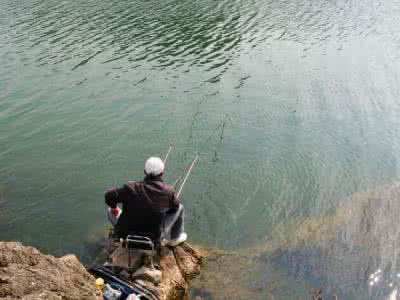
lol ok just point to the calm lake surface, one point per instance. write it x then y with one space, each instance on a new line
293 105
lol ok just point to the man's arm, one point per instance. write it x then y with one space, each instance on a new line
174 201
116 195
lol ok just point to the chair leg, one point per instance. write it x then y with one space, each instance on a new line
151 262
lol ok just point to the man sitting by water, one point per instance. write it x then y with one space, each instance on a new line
149 207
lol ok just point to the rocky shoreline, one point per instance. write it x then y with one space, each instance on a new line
26 273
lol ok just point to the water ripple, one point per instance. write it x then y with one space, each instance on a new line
203 33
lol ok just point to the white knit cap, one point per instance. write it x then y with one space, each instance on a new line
154 166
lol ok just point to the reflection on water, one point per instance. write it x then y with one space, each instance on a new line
293 105
385 283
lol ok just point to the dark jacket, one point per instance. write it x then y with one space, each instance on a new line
144 204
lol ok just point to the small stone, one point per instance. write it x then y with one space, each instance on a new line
148 274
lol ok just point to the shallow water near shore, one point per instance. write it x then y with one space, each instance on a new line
293 105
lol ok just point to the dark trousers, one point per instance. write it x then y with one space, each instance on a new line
174 223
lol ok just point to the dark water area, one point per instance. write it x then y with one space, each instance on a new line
293 105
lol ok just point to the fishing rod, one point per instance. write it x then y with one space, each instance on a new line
187 175
185 169
180 176
169 151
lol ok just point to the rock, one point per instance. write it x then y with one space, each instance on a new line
148 274
179 266
121 257
29 275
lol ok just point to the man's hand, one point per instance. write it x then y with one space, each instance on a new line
115 211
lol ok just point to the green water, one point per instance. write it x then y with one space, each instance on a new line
293 106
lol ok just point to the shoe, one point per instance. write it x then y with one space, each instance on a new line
175 242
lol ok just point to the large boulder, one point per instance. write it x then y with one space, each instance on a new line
179 266
27 274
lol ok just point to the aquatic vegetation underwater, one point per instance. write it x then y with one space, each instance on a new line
351 253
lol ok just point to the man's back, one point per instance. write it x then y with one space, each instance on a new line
144 204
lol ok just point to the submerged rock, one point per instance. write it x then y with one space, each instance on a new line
349 253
